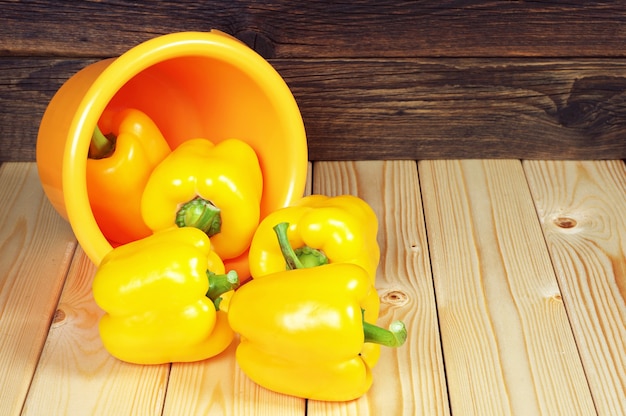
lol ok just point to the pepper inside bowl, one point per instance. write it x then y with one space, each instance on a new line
191 84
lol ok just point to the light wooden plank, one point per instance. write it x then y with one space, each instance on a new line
36 247
218 386
409 380
581 206
507 342
76 375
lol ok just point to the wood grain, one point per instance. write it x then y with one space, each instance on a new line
581 206
361 28
506 338
460 108
219 387
36 247
414 80
26 87
409 380
357 109
76 375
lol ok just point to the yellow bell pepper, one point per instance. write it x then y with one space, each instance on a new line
214 187
343 228
303 332
321 229
160 296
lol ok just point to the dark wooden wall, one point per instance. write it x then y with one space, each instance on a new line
374 80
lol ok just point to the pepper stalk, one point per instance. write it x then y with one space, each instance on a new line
220 284
394 336
301 258
201 214
101 146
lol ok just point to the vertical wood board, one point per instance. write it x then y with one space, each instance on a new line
507 343
408 380
581 206
37 247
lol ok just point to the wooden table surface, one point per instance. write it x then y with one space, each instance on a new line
510 276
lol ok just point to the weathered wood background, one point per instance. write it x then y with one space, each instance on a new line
399 80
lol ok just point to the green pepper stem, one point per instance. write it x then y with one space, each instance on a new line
393 337
293 262
100 146
220 284
201 214
301 258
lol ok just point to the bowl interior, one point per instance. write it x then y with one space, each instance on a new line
198 96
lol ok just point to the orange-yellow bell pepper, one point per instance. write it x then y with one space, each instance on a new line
303 332
160 296
214 187
118 168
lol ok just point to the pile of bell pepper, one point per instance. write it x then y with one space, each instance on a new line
306 318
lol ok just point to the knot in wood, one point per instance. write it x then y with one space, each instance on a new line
556 298
395 297
59 317
565 222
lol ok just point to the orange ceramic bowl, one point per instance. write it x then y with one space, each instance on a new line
192 84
